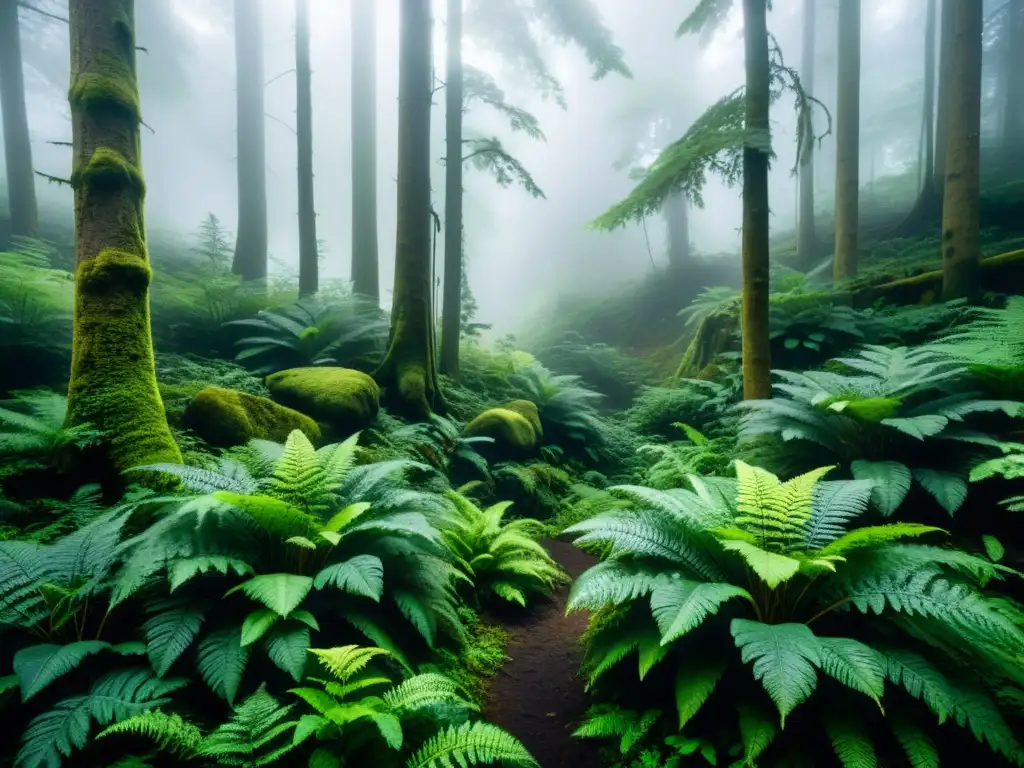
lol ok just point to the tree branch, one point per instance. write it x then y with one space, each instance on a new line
41 12
54 179
278 77
282 122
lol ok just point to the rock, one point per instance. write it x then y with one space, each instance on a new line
342 400
226 417
512 432
528 411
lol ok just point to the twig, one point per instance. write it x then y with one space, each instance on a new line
54 179
278 77
41 12
61 143
282 122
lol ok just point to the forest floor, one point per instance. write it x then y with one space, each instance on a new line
538 696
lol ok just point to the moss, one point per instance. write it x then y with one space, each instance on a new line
108 168
716 334
510 430
113 376
528 411
342 400
109 83
226 417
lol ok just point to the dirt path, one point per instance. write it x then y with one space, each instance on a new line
537 696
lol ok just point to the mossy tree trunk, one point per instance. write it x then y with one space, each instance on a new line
757 382
677 227
451 305
251 242
806 238
21 180
848 140
365 270
1013 106
409 370
961 208
113 378
308 267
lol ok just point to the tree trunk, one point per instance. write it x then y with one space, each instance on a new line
308 267
961 208
807 239
409 370
365 272
21 178
113 378
451 322
251 244
847 140
942 112
677 226
757 380
1013 107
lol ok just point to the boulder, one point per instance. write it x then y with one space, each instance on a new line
226 417
342 400
528 411
511 431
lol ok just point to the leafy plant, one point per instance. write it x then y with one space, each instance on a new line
32 431
501 558
633 730
779 576
671 464
879 421
311 332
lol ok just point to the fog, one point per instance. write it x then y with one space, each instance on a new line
520 250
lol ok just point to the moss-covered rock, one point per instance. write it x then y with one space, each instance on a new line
528 410
342 400
226 417
511 431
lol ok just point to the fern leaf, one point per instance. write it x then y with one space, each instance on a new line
681 605
948 489
472 744
257 624
169 732
695 682
757 731
919 748
425 690
39 665
280 592
254 736
892 482
360 575
836 503
784 657
870 536
287 646
853 664
221 660
347 660
772 568
851 743
169 634
611 582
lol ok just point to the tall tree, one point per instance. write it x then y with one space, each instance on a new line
251 243
1013 106
365 270
308 265
113 377
21 181
755 249
947 43
961 204
409 370
451 318
677 229
847 140
807 239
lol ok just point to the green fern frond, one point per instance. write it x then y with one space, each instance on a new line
345 661
472 744
169 732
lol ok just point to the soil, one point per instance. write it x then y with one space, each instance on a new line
537 696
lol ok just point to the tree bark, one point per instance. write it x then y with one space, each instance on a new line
1013 107
365 270
847 140
21 178
113 378
947 28
409 370
677 227
928 109
251 244
451 319
308 266
807 239
757 383
961 252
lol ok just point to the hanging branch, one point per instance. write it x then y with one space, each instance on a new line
278 77
282 122
54 179
784 79
41 12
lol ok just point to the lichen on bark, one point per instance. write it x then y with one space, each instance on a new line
113 377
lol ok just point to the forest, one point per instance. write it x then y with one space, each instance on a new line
635 384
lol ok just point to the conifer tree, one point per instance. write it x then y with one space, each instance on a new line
409 370
308 261
365 268
961 203
1013 76
113 378
807 239
848 141
251 242
21 180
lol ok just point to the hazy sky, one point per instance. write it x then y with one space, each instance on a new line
520 250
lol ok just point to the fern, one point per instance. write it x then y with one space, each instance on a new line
471 744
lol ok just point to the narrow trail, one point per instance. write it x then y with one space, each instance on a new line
537 696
